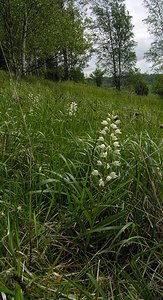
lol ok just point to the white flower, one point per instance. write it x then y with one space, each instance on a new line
113 175
101 183
104 122
116 151
109 148
99 163
108 178
114 138
101 139
114 126
103 132
116 163
117 122
106 128
72 109
102 146
19 208
108 166
117 131
95 172
104 154
116 144
108 119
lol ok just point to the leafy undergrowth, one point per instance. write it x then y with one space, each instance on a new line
81 192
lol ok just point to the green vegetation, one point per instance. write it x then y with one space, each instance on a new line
97 76
154 21
66 231
157 87
115 44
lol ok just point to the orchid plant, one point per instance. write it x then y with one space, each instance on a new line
107 151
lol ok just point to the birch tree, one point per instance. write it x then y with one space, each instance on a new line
115 38
155 27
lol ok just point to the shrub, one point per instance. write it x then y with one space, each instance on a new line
157 87
97 76
141 88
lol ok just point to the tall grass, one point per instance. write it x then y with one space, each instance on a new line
62 235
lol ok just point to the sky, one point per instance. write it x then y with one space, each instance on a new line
141 36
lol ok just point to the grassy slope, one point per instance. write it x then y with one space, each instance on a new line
56 221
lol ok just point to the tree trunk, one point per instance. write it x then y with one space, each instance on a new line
24 39
65 64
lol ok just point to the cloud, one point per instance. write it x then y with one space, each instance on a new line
144 66
143 45
141 34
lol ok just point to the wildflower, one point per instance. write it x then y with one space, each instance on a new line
116 163
104 154
113 136
101 183
103 132
99 163
104 122
117 122
108 178
116 151
19 208
116 144
115 117
113 175
72 109
102 146
95 172
117 131
114 126
101 139
109 148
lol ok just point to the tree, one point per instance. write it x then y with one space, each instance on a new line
97 76
42 33
29 30
157 87
137 82
115 38
155 27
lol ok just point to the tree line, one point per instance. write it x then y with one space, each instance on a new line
42 36
55 38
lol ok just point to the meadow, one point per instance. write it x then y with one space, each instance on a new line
81 190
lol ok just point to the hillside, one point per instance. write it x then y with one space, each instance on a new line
81 192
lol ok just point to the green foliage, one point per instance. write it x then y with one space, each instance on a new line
157 87
77 75
97 76
137 82
154 22
114 39
62 235
141 88
47 34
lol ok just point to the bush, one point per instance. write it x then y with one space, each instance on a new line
97 76
77 75
141 88
157 87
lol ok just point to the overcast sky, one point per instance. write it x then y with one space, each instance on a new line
142 37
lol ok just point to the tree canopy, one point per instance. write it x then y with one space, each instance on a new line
155 27
36 32
115 44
